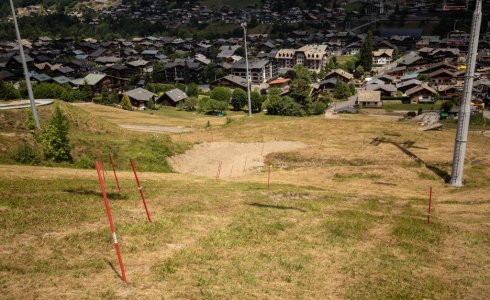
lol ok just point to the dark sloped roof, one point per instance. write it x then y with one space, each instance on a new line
141 94
176 95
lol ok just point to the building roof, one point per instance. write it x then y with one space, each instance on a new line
403 84
61 79
254 64
342 73
420 88
141 94
5 75
149 52
93 79
107 59
383 52
279 81
176 95
227 51
240 81
409 76
368 96
65 69
378 87
409 59
41 77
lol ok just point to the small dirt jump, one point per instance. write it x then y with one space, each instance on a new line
236 159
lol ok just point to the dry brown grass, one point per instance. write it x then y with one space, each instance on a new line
344 219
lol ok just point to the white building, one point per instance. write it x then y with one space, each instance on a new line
314 57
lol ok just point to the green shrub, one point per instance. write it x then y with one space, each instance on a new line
85 162
446 106
221 94
30 123
8 91
25 153
318 108
48 91
192 90
208 105
283 106
256 100
151 105
238 99
54 138
189 104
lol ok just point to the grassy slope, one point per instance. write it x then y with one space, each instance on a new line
344 219
91 135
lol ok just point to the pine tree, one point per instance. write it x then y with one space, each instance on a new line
366 54
126 103
55 141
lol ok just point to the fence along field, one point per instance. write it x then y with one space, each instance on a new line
343 218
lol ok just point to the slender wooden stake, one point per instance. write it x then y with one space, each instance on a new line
245 165
430 205
262 152
231 171
269 179
111 223
219 170
141 191
115 175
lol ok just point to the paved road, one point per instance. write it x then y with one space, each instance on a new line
25 104
329 113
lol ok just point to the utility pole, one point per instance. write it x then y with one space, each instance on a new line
244 25
464 110
24 65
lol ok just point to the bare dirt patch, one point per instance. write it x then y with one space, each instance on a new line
155 128
237 159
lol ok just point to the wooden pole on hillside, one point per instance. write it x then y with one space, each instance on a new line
115 175
141 191
430 205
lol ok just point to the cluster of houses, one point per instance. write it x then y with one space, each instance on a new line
195 13
405 63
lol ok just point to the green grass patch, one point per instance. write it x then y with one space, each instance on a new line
411 107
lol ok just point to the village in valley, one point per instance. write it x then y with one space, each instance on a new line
280 149
404 65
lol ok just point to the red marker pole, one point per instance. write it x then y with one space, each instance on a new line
102 164
430 205
141 190
115 175
111 224
269 179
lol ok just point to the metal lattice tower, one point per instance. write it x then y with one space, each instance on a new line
464 110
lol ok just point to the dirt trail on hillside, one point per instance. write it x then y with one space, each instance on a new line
237 159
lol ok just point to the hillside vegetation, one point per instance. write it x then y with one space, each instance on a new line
90 137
